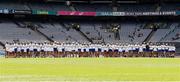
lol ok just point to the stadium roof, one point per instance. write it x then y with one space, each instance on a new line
120 1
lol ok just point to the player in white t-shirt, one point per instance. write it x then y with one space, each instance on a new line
172 51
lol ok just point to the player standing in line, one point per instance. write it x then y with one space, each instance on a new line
155 51
172 50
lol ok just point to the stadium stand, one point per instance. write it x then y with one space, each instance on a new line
165 33
132 33
99 7
60 34
11 32
50 6
136 7
93 7
19 6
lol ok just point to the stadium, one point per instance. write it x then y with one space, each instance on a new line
89 40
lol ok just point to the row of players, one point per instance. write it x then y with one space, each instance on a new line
87 50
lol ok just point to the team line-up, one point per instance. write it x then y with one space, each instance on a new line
57 49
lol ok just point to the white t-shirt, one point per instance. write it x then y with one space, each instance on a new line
141 49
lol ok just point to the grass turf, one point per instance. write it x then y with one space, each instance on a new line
90 69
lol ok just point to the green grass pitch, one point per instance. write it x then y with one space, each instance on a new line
89 69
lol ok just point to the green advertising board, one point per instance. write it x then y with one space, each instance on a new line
44 12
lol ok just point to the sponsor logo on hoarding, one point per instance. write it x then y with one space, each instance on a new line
149 13
42 12
22 11
75 13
